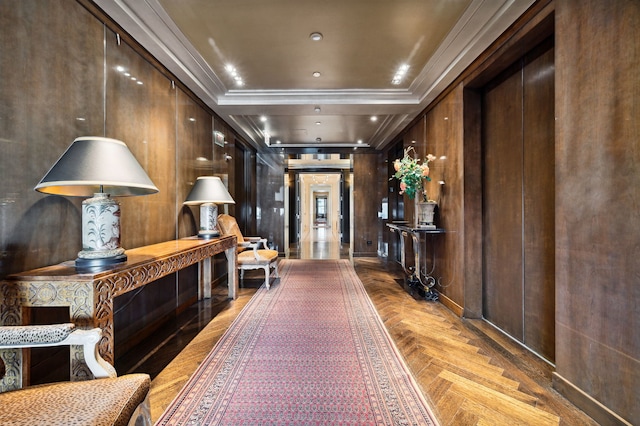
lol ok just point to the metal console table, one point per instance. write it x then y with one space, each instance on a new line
418 276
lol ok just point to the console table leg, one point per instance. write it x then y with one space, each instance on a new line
232 270
204 279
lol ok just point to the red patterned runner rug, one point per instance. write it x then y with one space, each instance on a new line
312 350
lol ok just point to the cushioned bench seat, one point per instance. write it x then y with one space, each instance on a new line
109 401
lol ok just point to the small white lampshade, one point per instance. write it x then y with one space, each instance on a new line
208 191
98 167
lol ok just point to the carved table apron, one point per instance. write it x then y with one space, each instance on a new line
89 296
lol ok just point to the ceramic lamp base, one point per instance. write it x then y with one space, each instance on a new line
208 221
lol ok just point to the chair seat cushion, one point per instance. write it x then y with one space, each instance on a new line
110 401
265 256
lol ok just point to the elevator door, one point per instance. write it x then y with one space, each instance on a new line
518 200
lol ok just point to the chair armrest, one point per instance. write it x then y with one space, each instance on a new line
252 239
33 336
257 246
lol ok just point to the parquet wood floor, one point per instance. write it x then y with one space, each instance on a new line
470 373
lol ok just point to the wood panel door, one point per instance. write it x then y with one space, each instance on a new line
518 199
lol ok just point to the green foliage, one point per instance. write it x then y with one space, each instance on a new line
412 174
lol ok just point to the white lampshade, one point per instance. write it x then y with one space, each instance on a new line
94 165
208 191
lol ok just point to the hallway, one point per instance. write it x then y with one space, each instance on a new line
322 242
468 377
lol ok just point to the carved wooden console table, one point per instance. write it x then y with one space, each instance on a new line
89 296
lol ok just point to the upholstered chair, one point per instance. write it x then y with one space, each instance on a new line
108 400
252 251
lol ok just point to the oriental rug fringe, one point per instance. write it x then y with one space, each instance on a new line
312 350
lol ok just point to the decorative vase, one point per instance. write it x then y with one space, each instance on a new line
424 214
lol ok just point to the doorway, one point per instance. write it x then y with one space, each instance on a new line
317 207
320 235
518 199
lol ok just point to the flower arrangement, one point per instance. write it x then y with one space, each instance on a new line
411 174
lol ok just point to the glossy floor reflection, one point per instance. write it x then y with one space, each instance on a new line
322 242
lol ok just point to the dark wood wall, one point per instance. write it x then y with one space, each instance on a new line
367 193
444 135
597 199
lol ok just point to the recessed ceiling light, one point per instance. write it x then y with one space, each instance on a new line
374 118
359 140
400 74
231 70
318 139
315 36
263 118
316 74
317 109
318 123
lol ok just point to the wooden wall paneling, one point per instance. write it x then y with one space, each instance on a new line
444 133
194 158
139 313
597 197
51 92
194 140
223 165
251 175
270 196
366 199
242 190
142 113
244 161
472 233
539 201
396 201
415 137
503 261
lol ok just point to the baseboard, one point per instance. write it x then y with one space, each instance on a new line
586 403
365 254
451 305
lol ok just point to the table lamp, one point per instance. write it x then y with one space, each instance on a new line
208 191
99 168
